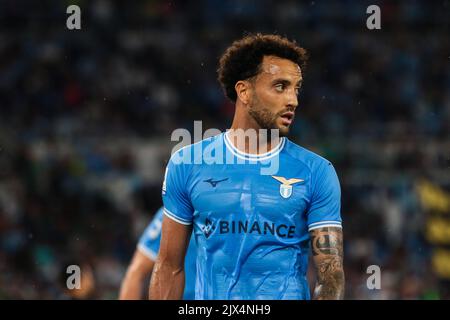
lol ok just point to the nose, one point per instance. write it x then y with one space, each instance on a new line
292 100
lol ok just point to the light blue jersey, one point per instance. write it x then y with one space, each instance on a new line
149 246
251 229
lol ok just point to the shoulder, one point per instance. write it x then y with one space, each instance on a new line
156 220
309 158
153 229
159 214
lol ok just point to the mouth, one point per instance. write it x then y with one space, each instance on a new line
287 118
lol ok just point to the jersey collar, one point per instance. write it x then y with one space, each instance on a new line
249 156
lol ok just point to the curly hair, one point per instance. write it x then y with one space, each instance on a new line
242 60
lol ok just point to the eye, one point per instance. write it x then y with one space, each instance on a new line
279 87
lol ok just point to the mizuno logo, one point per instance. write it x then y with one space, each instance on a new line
214 183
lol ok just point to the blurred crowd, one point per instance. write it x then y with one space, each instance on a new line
86 118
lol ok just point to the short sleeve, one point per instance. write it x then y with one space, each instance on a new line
325 207
177 204
150 239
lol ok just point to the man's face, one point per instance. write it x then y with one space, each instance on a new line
275 91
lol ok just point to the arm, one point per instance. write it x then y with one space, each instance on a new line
168 276
327 252
140 267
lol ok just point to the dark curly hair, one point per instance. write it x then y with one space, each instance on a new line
242 60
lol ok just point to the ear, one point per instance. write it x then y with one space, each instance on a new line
243 91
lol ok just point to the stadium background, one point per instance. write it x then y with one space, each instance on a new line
86 118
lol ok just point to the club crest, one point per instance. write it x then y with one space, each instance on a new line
286 185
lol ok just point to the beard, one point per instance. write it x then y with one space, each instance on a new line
266 119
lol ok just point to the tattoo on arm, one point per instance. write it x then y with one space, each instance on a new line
327 250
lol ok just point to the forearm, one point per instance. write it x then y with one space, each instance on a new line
331 283
167 282
327 249
131 288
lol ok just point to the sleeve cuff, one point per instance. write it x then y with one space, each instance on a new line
176 218
322 224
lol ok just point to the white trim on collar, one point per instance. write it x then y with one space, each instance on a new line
248 156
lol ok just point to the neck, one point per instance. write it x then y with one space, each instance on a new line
255 140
